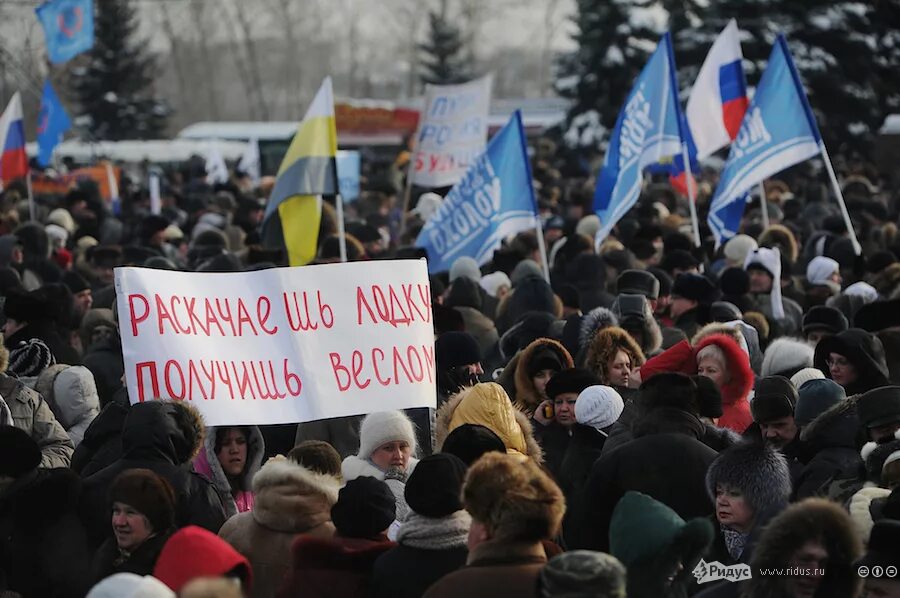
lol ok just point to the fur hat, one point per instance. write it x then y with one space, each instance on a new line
805 375
515 499
638 282
465 266
572 380
696 288
879 406
317 456
598 407
433 488
365 508
453 349
470 441
668 389
149 494
19 453
592 323
30 358
583 574
775 397
382 427
785 357
737 248
815 397
760 472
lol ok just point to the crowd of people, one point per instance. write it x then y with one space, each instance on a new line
656 420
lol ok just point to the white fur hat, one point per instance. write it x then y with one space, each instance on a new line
382 427
598 407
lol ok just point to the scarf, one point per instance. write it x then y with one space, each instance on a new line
429 533
734 541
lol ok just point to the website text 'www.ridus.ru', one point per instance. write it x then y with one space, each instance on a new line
792 572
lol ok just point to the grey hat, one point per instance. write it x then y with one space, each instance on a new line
757 470
583 574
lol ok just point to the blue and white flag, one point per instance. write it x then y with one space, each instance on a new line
778 131
493 200
68 28
348 171
53 122
648 129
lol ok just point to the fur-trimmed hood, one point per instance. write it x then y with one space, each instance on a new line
785 357
758 471
492 416
171 431
526 396
719 328
605 346
809 519
593 322
778 235
291 498
838 426
738 366
876 454
207 464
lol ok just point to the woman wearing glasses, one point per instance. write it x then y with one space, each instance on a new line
854 359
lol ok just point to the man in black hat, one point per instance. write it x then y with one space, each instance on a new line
879 413
821 321
639 282
773 412
692 294
879 565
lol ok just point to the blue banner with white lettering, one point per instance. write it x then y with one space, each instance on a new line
68 28
53 122
778 131
648 129
493 200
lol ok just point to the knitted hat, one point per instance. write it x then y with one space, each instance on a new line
770 261
824 318
709 397
583 574
805 375
19 453
815 397
638 282
470 441
130 585
30 358
572 380
365 508
491 283
756 469
318 456
785 357
737 248
879 407
148 493
465 266
774 398
883 549
642 528
383 427
820 270
598 407
434 488
453 349
696 288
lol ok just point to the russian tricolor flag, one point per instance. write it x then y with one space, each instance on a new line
13 161
718 100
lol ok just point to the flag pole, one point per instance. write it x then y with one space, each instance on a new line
692 193
542 247
763 204
31 206
840 197
342 235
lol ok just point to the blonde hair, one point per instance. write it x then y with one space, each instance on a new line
713 352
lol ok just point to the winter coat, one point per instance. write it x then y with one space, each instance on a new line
43 545
493 411
108 559
864 350
830 441
666 460
429 548
530 294
290 500
516 381
162 436
71 394
32 414
102 442
890 340
716 438
104 360
465 296
495 570
206 463
340 432
792 322
337 566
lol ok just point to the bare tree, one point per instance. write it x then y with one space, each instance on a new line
198 16
408 19
253 65
553 20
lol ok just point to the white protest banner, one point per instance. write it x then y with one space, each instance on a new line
282 345
452 132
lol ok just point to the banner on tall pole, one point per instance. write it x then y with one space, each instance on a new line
68 28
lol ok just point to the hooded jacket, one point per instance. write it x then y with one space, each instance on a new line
236 500
72 396
830 439
31 413
488 405
864 350
735 407
524 395
290 500
103 357
163 436
102 442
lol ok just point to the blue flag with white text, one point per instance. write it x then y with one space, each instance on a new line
68 28
493 200
648 129
53 122
778 131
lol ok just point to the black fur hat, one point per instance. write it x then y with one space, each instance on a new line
758 471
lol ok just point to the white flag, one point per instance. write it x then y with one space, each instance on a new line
249 162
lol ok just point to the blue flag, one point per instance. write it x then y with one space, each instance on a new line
493 200
68 28
648 129
778 131
53 122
